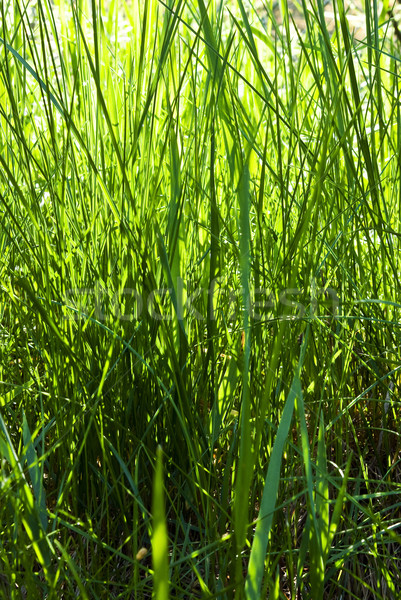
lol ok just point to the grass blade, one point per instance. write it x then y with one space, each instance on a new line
263 525
159 535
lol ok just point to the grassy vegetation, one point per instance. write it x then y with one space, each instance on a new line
200 317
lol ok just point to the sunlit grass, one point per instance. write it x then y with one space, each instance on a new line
199 325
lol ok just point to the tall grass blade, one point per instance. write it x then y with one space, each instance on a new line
245 466
257 558
32 516
35 472
159 534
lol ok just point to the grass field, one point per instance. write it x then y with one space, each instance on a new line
200 301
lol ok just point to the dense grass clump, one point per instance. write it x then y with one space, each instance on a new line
200 317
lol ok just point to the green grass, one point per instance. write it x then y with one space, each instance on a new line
199 316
